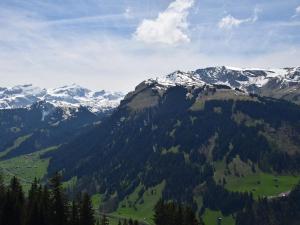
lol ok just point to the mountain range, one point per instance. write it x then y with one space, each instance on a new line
212 138
73 96
279 83
175 133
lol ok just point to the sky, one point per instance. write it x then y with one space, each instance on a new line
116 44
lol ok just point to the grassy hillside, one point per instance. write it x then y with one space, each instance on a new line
245 177
16 144
140 208
211 218
26 167
96 201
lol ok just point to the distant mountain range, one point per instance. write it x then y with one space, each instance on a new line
72 96
278 83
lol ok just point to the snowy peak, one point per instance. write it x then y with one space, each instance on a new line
73 90
73 96
20 96
27 89
250 80
76 96
178 78
233 77
246 78
181 78
277 83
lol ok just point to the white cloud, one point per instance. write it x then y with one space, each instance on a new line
170 27
256 13
34 51
230 22
298 10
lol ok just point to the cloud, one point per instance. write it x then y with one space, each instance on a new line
51 53
170 27
256 13
297 12
230 22
87 19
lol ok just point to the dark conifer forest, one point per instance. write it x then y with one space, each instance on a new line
43 205
170 213
278 211
49 205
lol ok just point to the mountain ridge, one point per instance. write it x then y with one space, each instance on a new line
279 83
276 83
71 96
249 80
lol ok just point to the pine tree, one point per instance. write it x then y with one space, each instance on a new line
2 196
159 210
179 216
174 214
2 187
32 215
32 194
13 208
8 213
45 206
104 220
16 190
74 220
18 199
86 211
130 222
190 217
58 201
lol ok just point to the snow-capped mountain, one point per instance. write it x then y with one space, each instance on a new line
72 96
249 79
244 79
177 78
280 83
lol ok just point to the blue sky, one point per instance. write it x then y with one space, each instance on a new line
114 44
